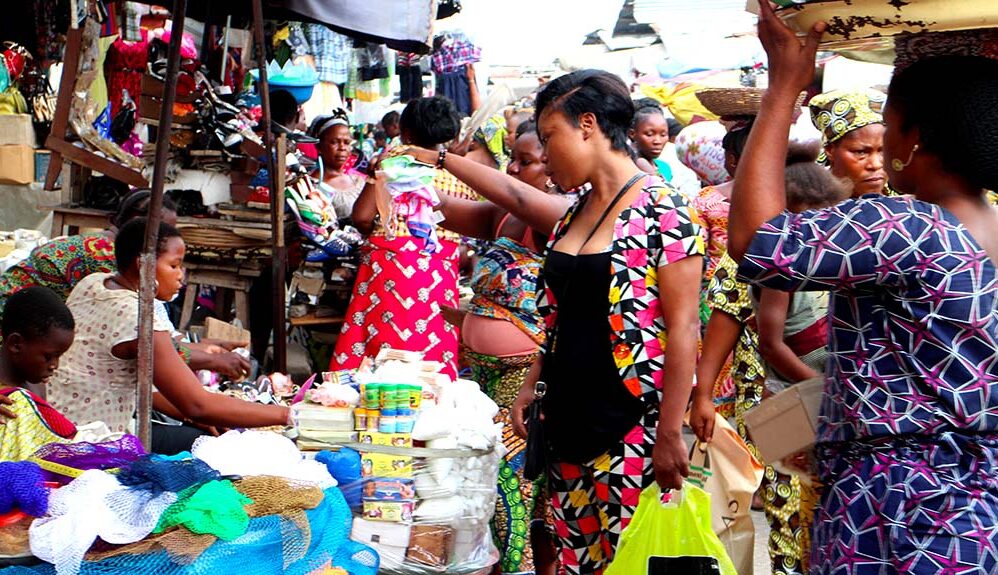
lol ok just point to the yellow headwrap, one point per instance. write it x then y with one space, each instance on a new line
839 112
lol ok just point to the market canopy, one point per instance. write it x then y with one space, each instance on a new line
405 25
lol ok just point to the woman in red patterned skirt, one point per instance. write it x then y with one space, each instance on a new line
401 289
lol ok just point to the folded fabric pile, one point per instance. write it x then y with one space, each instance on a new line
410 185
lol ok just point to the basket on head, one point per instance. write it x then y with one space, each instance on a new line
732 102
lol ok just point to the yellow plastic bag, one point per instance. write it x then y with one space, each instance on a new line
681 100
674 538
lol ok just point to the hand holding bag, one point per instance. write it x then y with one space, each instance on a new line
731 474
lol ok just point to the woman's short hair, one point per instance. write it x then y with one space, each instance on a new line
34 310
953 102
430 121
131 238
594 91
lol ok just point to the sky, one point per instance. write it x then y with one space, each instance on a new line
535 32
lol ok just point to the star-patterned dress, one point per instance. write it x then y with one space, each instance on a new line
908 433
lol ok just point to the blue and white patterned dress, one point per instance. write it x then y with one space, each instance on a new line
908 435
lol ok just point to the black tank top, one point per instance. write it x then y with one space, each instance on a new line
587 409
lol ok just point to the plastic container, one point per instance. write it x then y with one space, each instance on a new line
372 396
415 396
388 421
404 421
360 419
373 419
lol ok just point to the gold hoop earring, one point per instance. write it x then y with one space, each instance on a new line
899 166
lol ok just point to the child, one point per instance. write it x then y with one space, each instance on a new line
650 134
37 329
793 327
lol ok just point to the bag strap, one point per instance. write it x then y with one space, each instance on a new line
606 211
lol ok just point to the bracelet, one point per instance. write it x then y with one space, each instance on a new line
184 351
441 158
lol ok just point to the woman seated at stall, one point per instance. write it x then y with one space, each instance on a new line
96 381
62 262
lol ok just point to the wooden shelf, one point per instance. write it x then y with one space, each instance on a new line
311 321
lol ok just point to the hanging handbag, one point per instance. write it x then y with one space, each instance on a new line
536 454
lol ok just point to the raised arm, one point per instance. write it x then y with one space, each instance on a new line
539 210
758 193
470 218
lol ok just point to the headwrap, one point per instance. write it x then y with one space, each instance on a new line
322 123
699 148
492 136
839 112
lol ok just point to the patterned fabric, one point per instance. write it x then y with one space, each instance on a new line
505 284
520 501
594 503
454 53
59 265
407 59
789 506
910 48
20 437
698 147
91 384
742 390
332 53
657 229
397 302
492 137
913 358
914 317
912 505
782 494
712 207
839 112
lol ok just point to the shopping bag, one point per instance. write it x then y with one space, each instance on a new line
728 471
671 538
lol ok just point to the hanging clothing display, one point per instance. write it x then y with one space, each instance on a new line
410 76
331 51
453 52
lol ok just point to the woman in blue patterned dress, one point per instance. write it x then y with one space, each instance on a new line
907 440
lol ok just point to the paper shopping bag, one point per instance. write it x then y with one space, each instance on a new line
727 470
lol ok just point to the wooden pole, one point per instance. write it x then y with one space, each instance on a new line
279 258
147 285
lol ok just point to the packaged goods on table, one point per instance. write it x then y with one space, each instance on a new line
428 452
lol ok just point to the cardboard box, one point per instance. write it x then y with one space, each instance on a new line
389 489
388 439
392 511
17 164
384 465
17 129
390 540
787 422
